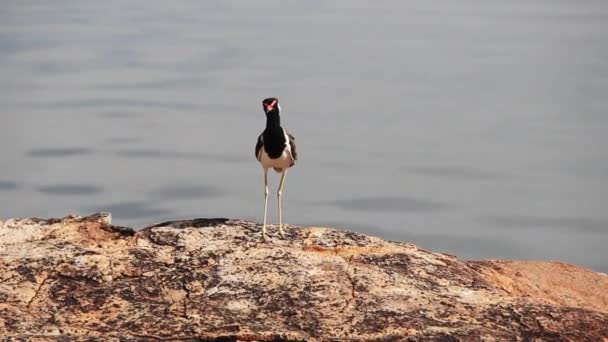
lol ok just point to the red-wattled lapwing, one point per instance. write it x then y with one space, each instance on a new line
275 149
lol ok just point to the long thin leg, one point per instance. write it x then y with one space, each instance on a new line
265 203
279 193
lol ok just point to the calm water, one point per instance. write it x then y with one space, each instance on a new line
471 127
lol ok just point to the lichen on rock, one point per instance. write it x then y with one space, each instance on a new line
81 278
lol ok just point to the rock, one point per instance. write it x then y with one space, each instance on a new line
216 280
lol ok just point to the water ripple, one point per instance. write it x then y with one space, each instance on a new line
70 189
7 186
388 204
58 152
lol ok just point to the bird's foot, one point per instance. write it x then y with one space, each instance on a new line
264 234
282 233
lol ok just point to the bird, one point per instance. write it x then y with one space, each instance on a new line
275 149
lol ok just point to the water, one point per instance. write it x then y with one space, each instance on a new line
473 127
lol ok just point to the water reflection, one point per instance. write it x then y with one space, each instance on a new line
160 154
117 115
58 152
335 164
115 102
188 192
574 224
389 204
121 140
7 185
70 189
177 83
52 68
457 173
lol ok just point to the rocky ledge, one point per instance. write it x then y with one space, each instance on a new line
216 280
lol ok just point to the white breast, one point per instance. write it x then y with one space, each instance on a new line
283 162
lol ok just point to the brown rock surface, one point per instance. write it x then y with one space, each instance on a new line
217 280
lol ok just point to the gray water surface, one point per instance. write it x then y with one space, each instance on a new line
472 127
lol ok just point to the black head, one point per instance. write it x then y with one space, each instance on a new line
271 105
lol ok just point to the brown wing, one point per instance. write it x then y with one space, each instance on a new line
258 147
294 151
